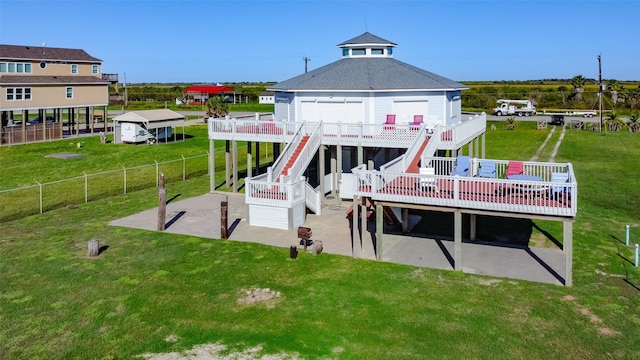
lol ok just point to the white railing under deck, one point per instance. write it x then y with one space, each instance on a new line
258 191
543 197
313 199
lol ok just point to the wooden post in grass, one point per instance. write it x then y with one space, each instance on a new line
162 203
224 205
94 248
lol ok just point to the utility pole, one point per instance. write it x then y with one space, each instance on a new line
600 89
126 98
306 60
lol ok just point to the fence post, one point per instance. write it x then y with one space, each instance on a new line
184 168
40 185
86 188
157 173
125 179
162 204
627 237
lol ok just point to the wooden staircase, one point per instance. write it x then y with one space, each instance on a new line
294 157
413 167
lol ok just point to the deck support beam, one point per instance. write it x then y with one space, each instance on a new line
322 170
212 165
476 143
234 156
257 158
227 164
473 223
567 247
338 167
457 240
484 141
333 170
379 231
249 159
355 236
405 220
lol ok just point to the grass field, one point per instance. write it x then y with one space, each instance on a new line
154 292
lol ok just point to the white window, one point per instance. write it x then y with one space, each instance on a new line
69 92
3 67
12 67
358 52
19 67
18 94
27 68
377 51
74 68
94 69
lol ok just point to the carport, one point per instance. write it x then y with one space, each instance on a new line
149 120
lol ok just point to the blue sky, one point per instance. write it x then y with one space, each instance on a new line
234 41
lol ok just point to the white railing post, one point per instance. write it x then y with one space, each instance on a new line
157 171
125 179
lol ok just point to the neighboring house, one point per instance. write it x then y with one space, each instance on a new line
200 94
40 87
267 98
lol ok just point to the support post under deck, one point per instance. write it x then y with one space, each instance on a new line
567 247
212 165
457 239
379 231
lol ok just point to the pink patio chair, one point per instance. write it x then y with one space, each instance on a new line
391 121
514 168
417 121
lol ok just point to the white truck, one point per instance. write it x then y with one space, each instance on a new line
137 132
514 107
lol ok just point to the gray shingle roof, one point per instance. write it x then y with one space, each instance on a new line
367 38
21 52
32 80
367 74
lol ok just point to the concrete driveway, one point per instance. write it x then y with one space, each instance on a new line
200 216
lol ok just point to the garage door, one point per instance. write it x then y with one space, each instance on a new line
331 112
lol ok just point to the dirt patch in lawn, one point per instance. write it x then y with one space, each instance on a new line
219 352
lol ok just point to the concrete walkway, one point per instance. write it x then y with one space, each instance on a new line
200 216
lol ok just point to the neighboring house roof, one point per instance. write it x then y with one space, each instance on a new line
367 74
166 116
367 38
208 89
267 94
21 52
50 80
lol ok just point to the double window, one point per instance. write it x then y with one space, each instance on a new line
14 94
74 68
94 69
69 92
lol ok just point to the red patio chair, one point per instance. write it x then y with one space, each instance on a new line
514 168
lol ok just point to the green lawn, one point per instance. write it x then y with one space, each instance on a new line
157 292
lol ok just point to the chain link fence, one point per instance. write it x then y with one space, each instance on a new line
29 200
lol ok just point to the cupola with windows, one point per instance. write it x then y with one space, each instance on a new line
367 45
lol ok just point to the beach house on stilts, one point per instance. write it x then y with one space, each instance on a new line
391 137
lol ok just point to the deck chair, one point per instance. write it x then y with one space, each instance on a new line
391 122
558 191
462 166
487 169
428 179
514 168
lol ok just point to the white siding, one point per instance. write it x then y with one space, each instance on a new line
269 216
282 111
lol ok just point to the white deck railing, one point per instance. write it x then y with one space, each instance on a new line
261 192
275 170
256 128
313 199
543 196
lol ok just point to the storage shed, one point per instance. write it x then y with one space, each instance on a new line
148 126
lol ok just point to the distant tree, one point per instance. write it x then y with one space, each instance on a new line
578 83
613 122
216 107
614 87
634 122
